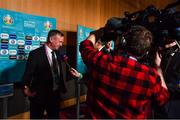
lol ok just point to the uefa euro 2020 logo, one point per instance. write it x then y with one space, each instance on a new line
7 19
47 25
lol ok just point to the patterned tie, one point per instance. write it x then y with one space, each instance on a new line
55 66
54 63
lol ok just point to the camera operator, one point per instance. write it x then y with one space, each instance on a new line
171 71
122 87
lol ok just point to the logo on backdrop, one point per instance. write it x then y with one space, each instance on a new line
47 25
7 19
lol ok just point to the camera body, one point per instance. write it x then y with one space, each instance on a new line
164 24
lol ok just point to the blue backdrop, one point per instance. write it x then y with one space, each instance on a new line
82 34
19 34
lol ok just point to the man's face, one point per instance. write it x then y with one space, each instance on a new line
108 45
56 41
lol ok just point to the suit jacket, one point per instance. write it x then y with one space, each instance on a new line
104 50
38 75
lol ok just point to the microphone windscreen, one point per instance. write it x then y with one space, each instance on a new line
64 58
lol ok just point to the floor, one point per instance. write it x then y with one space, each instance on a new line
71 112
66 113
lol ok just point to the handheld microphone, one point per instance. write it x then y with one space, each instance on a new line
65 59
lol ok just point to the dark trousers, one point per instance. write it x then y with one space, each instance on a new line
50 104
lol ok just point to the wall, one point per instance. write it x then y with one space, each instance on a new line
90 13
69 13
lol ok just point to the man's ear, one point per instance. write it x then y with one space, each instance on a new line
50 39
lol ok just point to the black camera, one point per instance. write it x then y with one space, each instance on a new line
115 26
164 24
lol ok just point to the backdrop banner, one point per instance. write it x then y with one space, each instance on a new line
82 34
19 34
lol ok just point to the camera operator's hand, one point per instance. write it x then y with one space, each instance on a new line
159 70
158 59
98 33
92 38
170 45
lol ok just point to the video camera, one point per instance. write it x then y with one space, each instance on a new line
162 23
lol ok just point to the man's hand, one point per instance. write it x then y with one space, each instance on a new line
28 92
158 59
92 38
75 73
170 45
98 33
159 70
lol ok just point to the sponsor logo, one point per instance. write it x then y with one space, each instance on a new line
12 36
20 46
36 38
20 35
12 57
87 34
28 37
5 57
12 41
20 57
28 42
28 47
81 32
4 52
26 57
8 19
21 42
4 40
4 35
21 52
12 47
43 39
12 52
29 24
4 46
47 25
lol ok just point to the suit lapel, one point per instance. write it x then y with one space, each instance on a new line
45 58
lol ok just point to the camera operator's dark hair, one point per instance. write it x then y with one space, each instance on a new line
138 40
53 33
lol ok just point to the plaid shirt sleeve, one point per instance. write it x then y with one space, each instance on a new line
87 51
91 55
160 94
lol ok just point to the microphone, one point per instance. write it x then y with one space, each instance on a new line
65 59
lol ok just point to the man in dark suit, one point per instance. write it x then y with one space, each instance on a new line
107 48
44 77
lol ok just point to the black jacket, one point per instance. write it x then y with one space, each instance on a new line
38 76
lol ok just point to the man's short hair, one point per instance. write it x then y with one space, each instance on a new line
138 40
53 33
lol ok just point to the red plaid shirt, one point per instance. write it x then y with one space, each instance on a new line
120 87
